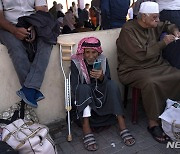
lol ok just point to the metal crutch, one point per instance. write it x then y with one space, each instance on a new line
65 55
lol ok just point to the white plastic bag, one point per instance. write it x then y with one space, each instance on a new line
170 119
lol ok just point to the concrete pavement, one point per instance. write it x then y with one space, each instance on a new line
109 141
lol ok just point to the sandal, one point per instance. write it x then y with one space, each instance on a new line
127 138
90 142
158 134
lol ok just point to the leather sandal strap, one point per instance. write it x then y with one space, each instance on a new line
126 135
91 143
89 140
124 130
88 135
156 131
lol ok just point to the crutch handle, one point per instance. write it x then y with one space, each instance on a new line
65 43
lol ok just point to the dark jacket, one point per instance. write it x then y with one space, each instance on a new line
113 13
45 26
85 15
60 14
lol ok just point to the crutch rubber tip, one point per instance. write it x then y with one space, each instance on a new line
69 138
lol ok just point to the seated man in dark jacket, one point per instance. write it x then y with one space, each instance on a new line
30 74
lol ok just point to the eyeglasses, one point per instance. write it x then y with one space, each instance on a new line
155 17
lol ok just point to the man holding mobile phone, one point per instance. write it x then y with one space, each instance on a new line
97 99
97 72
141 65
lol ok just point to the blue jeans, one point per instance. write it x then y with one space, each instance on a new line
30 75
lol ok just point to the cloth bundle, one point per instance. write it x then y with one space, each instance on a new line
28 138
16 111
170 119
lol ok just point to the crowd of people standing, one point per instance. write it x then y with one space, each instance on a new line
100 14
75 19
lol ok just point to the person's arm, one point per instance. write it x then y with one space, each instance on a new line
173 29
169 27
19 33
41 5
128 42
42 8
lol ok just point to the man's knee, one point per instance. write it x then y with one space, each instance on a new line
9 40
42 45
14 46
148 81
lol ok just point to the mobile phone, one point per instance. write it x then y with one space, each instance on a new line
30 35
97 65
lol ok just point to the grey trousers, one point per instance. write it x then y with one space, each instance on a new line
30 75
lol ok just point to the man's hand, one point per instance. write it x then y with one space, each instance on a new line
21 33
176 33
97 74
32 35
168 39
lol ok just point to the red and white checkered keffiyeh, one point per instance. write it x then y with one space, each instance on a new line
87 42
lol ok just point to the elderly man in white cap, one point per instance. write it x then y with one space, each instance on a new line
137 6
140 63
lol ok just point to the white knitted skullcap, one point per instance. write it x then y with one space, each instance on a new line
149 7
